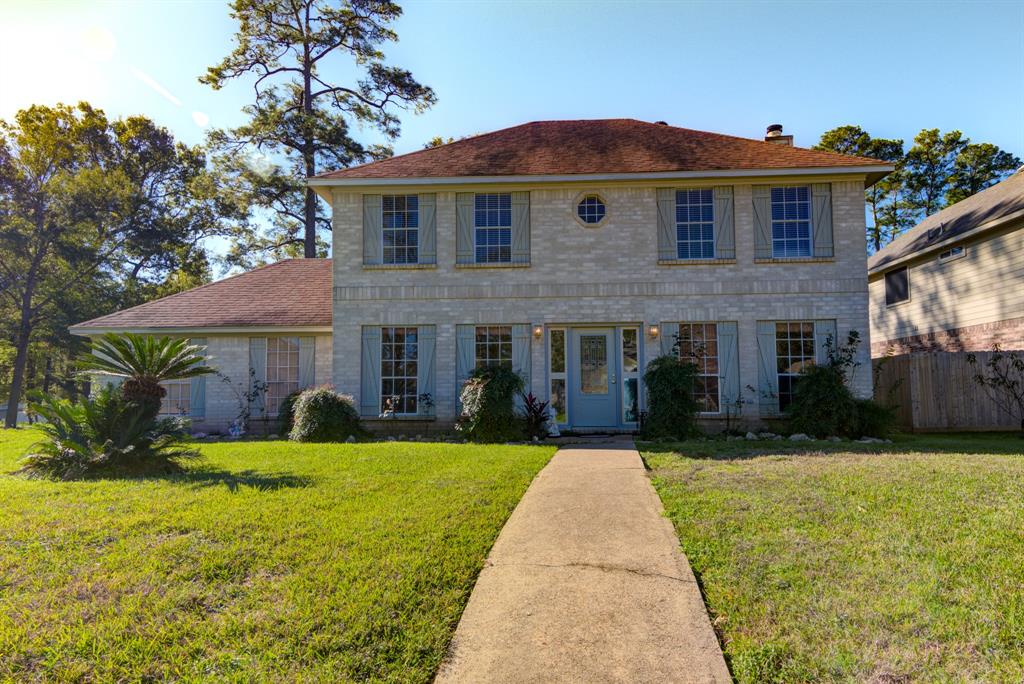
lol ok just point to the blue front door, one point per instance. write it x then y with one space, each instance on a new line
594 392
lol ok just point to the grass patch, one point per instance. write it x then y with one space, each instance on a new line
839 562
270 561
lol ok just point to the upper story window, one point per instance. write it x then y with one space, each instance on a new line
493 228
494 346
591 210
952 253
695 224
897 286
401 223
791 221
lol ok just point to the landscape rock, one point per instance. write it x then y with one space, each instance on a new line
767 435
351 439
751 436
871 440
799 437
834 438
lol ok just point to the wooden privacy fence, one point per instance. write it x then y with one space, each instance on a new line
937 391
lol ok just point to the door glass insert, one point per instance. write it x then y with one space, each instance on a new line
594 364
629 350
630 341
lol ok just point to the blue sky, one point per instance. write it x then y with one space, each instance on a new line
730 67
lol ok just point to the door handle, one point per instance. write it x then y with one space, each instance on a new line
613 378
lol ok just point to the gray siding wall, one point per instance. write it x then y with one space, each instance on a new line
986 285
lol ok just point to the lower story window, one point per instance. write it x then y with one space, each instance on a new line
282 371
494 346
698 344
399 352
794 351
177 398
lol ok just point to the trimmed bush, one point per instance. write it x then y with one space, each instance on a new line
488 406
286 414
823 404
105 435
323 415
671 408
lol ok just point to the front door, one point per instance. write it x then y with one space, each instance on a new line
594 398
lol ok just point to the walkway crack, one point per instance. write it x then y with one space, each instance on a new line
605 567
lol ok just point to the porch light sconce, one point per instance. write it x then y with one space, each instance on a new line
538 331
653 331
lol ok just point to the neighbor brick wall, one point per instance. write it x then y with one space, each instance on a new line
973 338
598 275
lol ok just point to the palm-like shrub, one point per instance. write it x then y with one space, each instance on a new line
144 362
103 434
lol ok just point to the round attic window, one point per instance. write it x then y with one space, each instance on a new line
591 210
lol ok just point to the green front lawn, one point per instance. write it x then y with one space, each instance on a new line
884 563
271 561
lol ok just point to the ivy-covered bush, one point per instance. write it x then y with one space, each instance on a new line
671 408
107 434
323 415
488 406
823 404
286 414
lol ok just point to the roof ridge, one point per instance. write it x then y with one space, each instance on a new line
189 291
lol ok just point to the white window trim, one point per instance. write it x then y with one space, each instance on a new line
380 388
945 255
384 229
476 245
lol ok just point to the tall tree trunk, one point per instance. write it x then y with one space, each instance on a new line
48 374
308 155
21 357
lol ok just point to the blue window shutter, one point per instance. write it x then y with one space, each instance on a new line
197 386
428 229
729 367
520 227
369 386
823 330
521 363
725 230
307 362
373 230
465 355
464 220
762 221
669 337
257 374
668 246
427 340
767 369
821 217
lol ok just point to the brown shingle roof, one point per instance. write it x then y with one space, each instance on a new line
960 219
595 147
295 292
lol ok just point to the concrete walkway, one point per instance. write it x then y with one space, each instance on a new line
587 583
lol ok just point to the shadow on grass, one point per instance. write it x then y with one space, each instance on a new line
949 443
233 479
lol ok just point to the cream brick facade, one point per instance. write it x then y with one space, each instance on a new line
604 275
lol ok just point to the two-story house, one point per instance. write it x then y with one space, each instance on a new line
574 251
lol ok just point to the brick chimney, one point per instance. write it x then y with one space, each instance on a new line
774 135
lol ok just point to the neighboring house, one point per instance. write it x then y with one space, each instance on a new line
272 323
954 282
574 252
